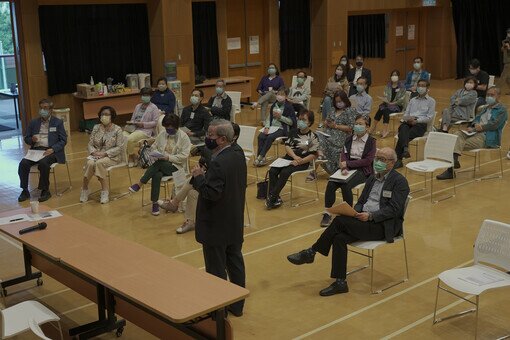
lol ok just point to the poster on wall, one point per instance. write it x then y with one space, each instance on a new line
234 43
399 31
410 32
254 44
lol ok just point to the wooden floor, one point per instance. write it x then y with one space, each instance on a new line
284 301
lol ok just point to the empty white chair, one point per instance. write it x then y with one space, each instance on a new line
236 104
490 256
370 247
36 329
16 319
35 170
245 141
438 154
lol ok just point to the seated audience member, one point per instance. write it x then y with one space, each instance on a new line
301 147
282 117
299 95
483 80
361 101
195 118
338 125
419 113
487 128
142 124
267 88
344 60
220 104
163 97
105 147
355 73
338 82
43 133
394 98
414 76
174 146
358 154
191 195
462 104
380 215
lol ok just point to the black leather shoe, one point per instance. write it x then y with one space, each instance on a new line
456 165
304 256
25 195
406 153
337 287
45 195
235 313
448 174
398 164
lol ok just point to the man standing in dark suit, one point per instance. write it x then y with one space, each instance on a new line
380 214
220 207
356 72
43 133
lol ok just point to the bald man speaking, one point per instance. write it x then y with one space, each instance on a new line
379 216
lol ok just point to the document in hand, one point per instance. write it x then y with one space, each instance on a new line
342 209
272 129
34 155
467 133
280 163
338 177
156 154
319 132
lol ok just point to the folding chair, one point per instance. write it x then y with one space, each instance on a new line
490 256
122 164
245 141
291 180
370 247
235 96
35 170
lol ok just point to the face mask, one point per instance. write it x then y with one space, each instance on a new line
301 125
359 129
194 100
417 66
280 99
359 63
146 99
219 90
171 131
339 105
211 143
472 71
162 87
379 166
44 113
271 71
105 120
300 81
490 100
394 79
339 73
421 90
469 86
360 88
343 62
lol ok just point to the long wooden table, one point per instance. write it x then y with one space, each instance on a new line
238 83
124 103
167 298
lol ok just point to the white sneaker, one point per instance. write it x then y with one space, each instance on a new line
84 195
104 197
131 164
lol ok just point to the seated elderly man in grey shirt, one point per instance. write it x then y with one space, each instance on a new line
361 101
418 115
380 216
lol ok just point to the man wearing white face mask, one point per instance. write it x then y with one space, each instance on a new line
43 133
417 74
195 118
418 114
484 132
220 104
361 101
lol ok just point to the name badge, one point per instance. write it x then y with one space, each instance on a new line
53 129
386 194
192 115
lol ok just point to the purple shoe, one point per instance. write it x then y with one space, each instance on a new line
155 208
134 188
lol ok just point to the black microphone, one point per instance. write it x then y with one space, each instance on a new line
39 226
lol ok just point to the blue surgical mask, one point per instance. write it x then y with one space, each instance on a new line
359 129
379 166
360 88
417 66
271 71
421 90
171 131
44 113
219 90
194 100
146 99
490 100
301 125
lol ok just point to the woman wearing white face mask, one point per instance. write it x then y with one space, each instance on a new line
337 82
105 149
267 88
164 98
142 123
393 101
344 60
462 104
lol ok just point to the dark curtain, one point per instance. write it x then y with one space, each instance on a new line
366 35
294 34
102 41
480 26
205 39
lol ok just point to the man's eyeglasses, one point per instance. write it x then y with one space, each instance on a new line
383 159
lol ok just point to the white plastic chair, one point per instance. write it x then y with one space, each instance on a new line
165 180
35 170
36 329
438 154
490 256
122 164
370 247
236 104
245 141
16 319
